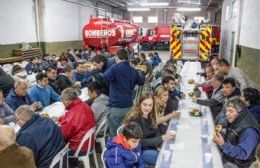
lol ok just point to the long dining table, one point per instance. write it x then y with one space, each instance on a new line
193 146
56 109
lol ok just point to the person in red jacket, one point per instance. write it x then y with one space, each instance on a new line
78 120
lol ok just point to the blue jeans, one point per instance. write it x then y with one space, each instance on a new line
115 119
150 156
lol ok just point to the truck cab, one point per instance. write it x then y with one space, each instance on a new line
157 38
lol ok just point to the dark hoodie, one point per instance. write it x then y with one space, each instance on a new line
118 154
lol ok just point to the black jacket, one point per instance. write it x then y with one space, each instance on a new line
64 82
151 136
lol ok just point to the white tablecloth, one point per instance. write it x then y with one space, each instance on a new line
187 150
56 109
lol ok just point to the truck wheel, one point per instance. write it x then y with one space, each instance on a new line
146 47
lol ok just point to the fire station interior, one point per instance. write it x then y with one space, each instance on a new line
129 83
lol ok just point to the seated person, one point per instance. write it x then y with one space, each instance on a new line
6 113
241 137
143 113
19 96
11 154
41 135
43 92
169 83
81 75
217 99
64 80
52 77
18 72
124 150
77 121
6 82
47 61
161 97
251 97
34 66
100 102
229 90
242 81
62 63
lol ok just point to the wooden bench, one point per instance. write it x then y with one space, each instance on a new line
20 55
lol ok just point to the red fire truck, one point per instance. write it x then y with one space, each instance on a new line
108 33
157 38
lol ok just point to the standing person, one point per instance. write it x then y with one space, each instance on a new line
122 79
143 113
11 154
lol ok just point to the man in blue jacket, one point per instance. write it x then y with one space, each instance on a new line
240 140
81 75
102 63
121 79
43 92
41 135
19 96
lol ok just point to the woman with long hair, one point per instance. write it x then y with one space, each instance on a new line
143 113
161 97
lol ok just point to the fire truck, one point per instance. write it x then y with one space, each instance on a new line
192 44
157 38
109 33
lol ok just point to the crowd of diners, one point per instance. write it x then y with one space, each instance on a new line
137 124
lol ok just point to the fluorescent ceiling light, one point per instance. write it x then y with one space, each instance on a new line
138 9
155 4
189 9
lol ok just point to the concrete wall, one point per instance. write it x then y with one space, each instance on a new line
229 24
249 60
17 25
246 27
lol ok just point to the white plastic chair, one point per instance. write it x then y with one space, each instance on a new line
102 157
85 158
59 157
8 68
119 129
101 138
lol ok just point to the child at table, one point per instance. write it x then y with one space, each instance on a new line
124 149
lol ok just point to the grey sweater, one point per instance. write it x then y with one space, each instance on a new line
6 113
100 107
240 77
